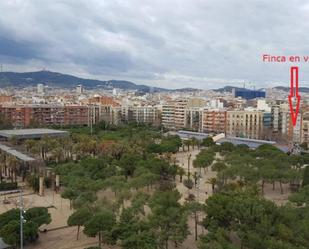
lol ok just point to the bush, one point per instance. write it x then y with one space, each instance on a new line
8 186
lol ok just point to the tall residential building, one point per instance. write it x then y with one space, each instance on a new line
245 123
285 123
214 121
44 115
180 114
79 89
168 115
263 106
193 118
183 113
174 114
40 88
297 129
146 115
305 128
275 117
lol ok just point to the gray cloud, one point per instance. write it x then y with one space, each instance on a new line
173 43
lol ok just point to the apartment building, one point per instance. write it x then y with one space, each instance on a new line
245 123
275 118
168 115
297 129
180 114
193 118
31 115
146 115
5 99
214 121
128 114
305 128
102 100
183 113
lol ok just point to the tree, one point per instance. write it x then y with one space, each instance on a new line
141 240
70 194
133 231
84 198
10 233
242 219
101 224
306 177
195 207
181 172
302 197
168 217
10 225
194 142
212 181
226 147
79 218
218 166
12 214
187 143
208 142
128 164
39 215
5 123
188 183
204 159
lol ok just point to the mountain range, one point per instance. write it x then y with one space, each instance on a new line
282 88
55 79
69 81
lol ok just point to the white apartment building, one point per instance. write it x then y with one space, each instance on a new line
183 113
146 115
40 88
297 129
275 118
168 115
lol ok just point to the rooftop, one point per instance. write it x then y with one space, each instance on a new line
15 153
252 143
31 133
189 134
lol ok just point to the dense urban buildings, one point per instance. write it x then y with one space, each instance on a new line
242 113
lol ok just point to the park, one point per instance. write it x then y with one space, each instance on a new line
135 187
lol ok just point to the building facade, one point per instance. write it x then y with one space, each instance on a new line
242 123
214 121
45 115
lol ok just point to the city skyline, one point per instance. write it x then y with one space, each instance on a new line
177 44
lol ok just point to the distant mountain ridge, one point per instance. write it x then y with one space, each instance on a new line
287 89
67 81
282 88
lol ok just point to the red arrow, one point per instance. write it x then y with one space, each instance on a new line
294 95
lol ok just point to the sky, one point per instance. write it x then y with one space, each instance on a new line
168 43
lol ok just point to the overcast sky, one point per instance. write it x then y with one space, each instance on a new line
167 43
